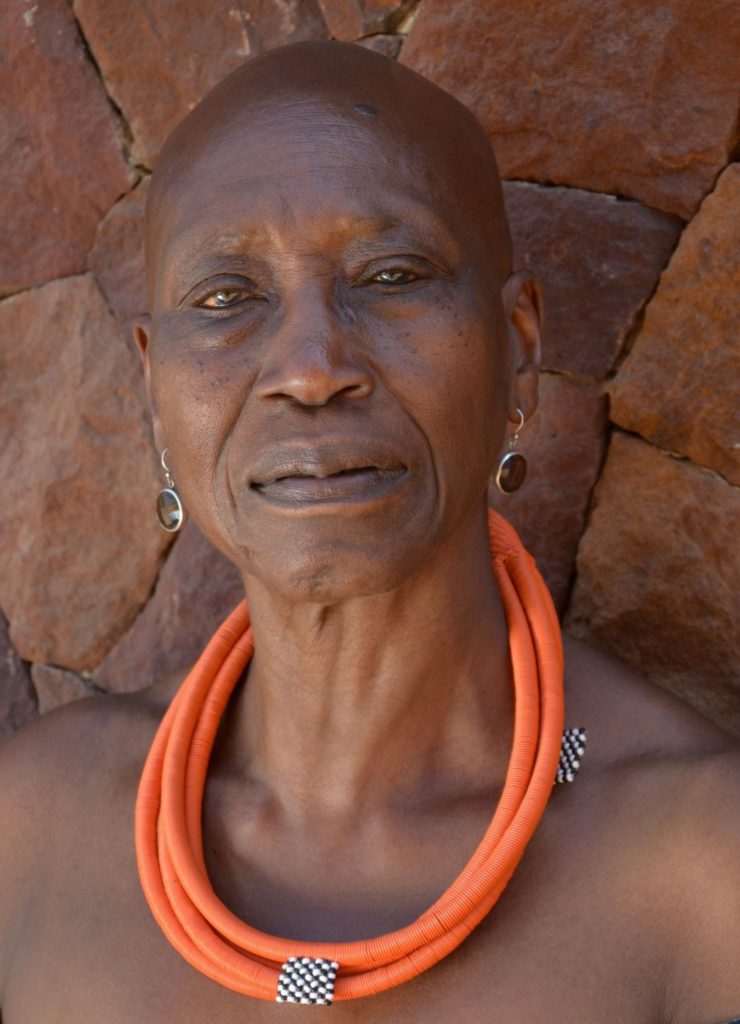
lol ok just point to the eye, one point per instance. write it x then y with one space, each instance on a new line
224 298
395 275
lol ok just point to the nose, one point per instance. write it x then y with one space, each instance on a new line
313 359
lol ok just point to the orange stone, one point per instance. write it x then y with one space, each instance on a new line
658 574
679 385
635 99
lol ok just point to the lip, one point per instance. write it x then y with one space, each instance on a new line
335 471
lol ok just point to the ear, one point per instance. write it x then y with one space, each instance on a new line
522 297
141 330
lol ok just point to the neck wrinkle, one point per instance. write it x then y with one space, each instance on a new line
382 701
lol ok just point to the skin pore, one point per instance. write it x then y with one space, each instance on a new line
335 347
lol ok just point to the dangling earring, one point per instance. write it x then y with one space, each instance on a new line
170 510
511 468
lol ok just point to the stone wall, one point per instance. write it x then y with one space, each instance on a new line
614 128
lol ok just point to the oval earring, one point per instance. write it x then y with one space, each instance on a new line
511 469
170 509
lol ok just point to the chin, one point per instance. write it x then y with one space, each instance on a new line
331 579
329 583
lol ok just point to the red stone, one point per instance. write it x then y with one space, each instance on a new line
598 260
679 385
158 61
197 588
564 445
60 146
57 686
349 20
659 575
634 99
17 699
117 256
388 45
79 542
344 18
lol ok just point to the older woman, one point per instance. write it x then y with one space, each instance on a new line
350 798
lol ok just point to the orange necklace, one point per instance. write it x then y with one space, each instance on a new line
169 846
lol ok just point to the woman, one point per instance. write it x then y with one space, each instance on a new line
336 342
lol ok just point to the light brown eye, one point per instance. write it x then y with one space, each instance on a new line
394 276
223 298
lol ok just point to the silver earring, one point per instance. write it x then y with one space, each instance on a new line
511 468
170 509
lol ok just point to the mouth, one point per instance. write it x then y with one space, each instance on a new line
312 481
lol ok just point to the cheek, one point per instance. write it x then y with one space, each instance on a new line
455 380
197 400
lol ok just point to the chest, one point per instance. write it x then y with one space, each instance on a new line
556 946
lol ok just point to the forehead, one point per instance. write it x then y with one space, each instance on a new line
302 161
321 170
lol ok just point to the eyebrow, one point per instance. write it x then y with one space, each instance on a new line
232 246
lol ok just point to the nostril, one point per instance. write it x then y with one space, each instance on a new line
315 385
358 390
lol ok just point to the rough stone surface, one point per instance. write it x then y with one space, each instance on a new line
658 571
598 260
679 385
56 686
388 45
55 116
117 256
344 18
197 588
17 699
564 446
630 98
181 52
348 20
79 543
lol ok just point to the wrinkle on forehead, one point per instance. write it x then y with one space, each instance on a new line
290 96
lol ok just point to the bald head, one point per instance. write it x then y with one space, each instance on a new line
348 94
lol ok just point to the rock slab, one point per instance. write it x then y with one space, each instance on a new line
117 256
181 52
679 385
17 698
659 573
598 260
60 146
79 543
611 97
57 686
197 588
349 20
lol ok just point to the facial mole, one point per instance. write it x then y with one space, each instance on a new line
366 109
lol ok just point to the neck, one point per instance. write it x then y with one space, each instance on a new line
380 700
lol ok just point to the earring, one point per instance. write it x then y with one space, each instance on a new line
170 510
511 468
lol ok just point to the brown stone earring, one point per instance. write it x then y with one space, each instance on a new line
170 509
511 468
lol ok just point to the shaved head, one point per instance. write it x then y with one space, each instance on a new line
349 92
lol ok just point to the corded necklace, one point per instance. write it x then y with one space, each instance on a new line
169 845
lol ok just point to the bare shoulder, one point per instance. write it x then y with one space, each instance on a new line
70 759
628 717
671 779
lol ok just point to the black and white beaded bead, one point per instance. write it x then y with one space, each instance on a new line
307 980
571 751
